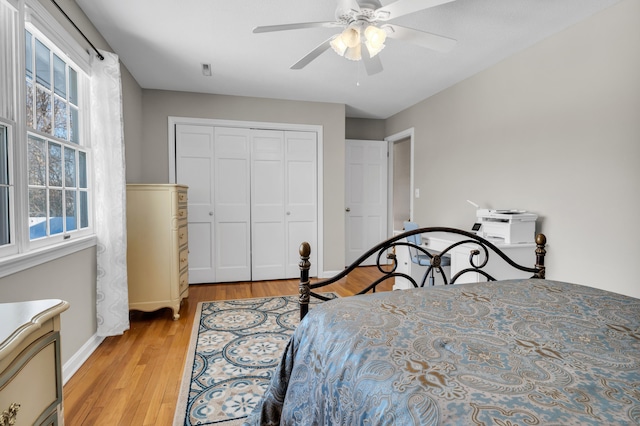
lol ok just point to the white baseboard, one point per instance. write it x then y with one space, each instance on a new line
75 362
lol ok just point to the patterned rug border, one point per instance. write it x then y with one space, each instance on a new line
185 382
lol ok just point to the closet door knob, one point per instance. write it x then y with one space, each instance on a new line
348 209
210 213
288 213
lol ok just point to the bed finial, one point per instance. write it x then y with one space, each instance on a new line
541 241
304 290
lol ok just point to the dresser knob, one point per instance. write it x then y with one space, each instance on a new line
8 416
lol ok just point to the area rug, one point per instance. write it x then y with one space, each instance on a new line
235 346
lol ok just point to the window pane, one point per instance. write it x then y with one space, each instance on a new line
71 210
37 213
59 77
75 136
55 164
5 226
55 211
37 161
28 55
5 237
82 169
60 114
69 167
30 104
84 210
43 64
73 86
43 111
4 156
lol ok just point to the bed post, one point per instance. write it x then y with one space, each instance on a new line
541 240
304 290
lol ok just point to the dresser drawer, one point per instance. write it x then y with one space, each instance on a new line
33 381
184 258
183 235
182 213
182 197
184 281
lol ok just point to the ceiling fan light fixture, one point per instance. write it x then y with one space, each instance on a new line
351 36
375 38
375 35
373 50
354 53
338 45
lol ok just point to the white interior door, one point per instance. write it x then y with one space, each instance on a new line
268 239
232 204
194 166
366 197
301 196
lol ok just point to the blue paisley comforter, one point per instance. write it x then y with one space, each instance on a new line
520 352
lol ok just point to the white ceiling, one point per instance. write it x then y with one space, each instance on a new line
164 43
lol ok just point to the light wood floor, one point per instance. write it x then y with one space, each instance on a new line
134 379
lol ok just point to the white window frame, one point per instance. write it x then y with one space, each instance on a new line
22 253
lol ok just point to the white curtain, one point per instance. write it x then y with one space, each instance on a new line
107 140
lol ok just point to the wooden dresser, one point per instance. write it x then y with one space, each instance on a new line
157 246
30 367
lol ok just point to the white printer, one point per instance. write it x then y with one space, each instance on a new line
510 226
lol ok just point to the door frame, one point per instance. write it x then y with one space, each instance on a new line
171 143
408 133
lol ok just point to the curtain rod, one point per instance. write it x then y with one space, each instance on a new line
80 31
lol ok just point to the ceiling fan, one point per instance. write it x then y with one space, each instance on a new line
366 23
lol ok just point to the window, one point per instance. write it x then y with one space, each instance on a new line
57 163
45 155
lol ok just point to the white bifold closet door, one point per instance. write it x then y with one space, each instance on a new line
301 199
283 201
232 204
263 191
194 168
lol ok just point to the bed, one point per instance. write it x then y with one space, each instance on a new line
527 351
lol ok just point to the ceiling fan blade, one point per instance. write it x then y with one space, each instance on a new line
405 7
296 26
345 6
372 65
421 38
325 45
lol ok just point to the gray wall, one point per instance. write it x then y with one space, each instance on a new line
158 105
71 278
554 130
365 129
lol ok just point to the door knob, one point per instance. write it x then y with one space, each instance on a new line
288 213
210 213
348 209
